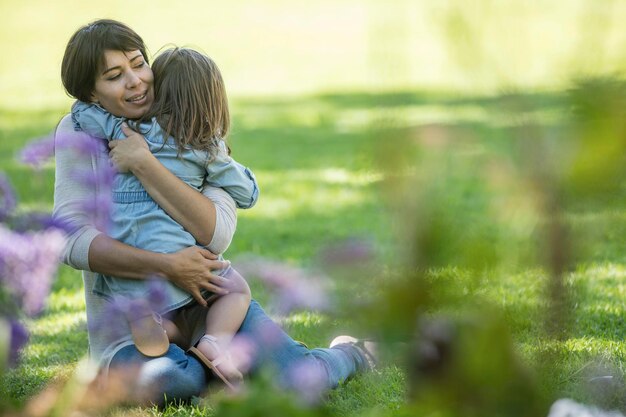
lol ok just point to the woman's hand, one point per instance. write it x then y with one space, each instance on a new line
190 269
128 154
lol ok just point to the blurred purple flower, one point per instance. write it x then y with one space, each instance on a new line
8 200
156 300
99 210
84 145
157 294
37 152
100 180
137 309
308 379
36 221
120 310
28 262
349 252
19 337
112 324
243 351
269 334
293 288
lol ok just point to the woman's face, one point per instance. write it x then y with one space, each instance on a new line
124 87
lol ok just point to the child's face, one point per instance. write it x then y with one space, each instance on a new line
124 87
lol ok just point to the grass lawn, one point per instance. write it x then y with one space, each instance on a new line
317 159
318 188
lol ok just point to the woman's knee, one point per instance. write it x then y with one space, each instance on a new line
172 377
169 380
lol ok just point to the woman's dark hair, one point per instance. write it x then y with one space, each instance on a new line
84 54
190 101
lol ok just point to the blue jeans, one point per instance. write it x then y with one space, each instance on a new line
178 376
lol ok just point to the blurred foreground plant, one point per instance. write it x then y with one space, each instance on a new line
28 262
479 203
30 247
475 204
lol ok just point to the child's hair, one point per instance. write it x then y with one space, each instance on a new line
190 99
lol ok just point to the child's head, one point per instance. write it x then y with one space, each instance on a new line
190 98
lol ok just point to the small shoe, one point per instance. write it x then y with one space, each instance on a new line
148 334
367 348
212 365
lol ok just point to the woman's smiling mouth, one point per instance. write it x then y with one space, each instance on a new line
137 98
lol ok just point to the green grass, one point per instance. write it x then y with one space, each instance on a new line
329 100
318 187
322 181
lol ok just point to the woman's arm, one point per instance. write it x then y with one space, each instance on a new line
195 212
89 249
190 268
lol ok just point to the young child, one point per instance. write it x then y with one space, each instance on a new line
185 129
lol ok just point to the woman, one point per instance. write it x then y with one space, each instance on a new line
124 88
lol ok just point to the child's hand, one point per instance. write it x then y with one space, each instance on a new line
127 154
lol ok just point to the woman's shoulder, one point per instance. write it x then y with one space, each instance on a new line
68 140
66 129
65 124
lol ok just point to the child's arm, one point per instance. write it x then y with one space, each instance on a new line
237 180
211 221
89 249
95 121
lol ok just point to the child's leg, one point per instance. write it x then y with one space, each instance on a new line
173 333
228 311
223 320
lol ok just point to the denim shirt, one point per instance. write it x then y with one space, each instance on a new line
136 219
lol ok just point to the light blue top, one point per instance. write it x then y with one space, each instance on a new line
136 218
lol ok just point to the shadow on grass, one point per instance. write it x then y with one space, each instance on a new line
274 133
392 99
